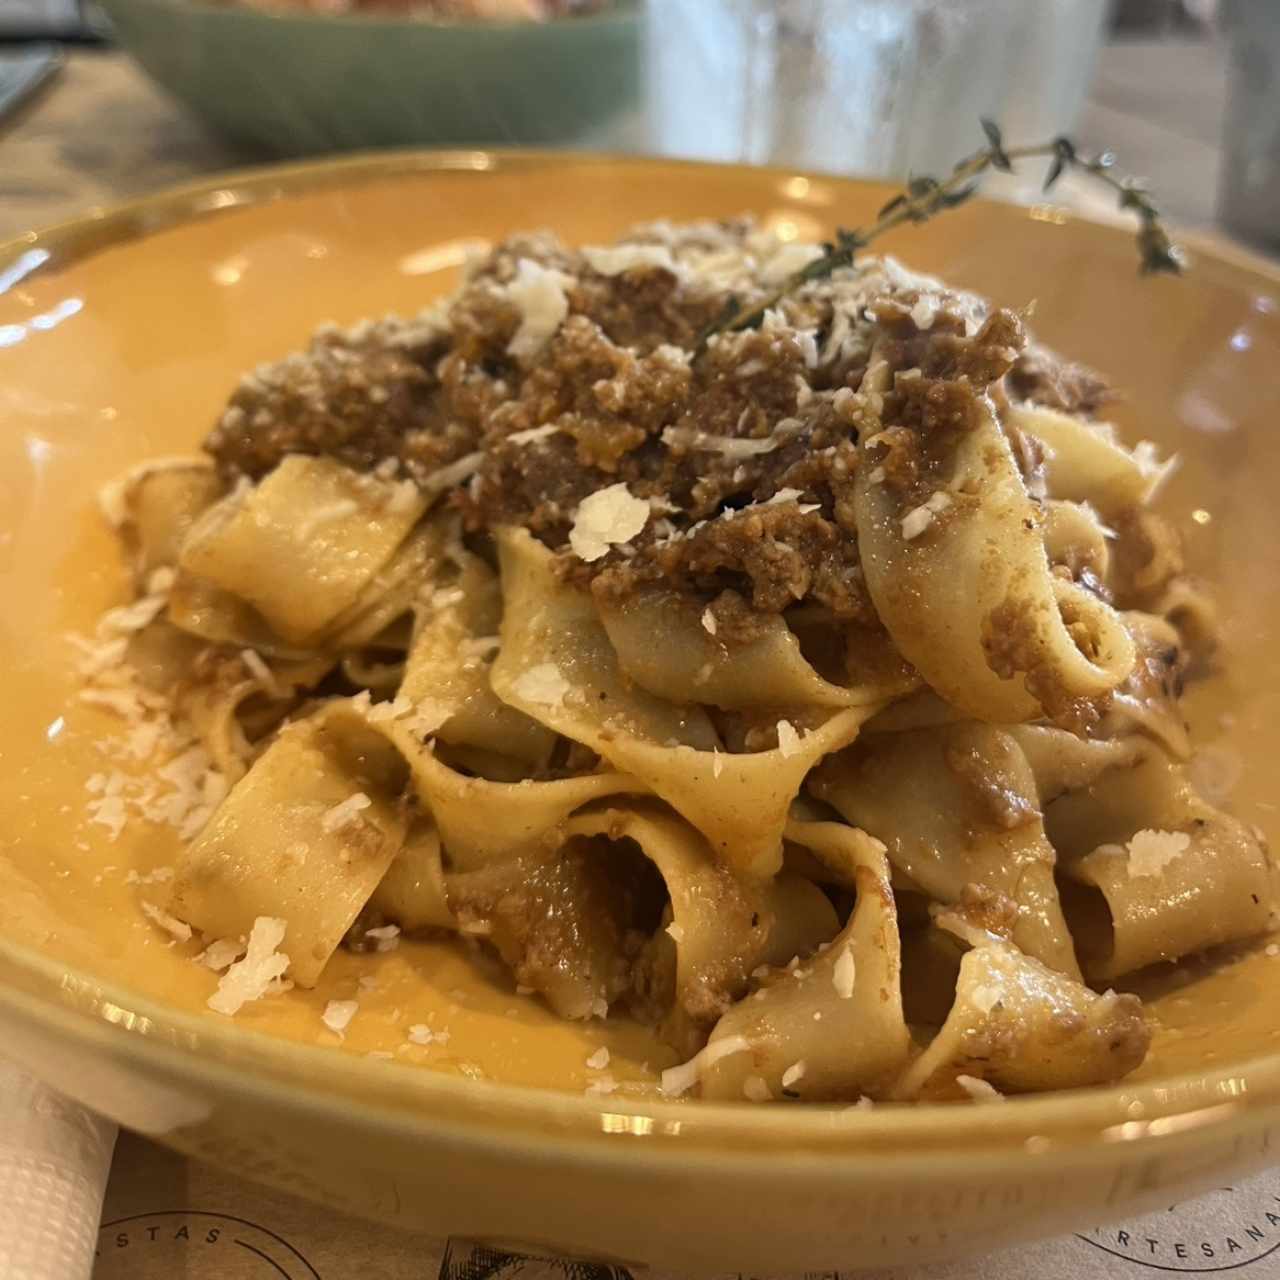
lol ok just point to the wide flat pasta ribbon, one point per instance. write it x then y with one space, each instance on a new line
306 836
958 809
969 599
1021 1026
1160 872
557 665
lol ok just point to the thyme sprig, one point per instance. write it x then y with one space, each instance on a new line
924 197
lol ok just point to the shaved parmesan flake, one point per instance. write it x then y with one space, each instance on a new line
220 953
678 1080
925 312
727 446
915 522
170 924
259 670
792 495
542 685
788 738
257 973
708 621
384 712
604 519
453 474
844 974
127 618
1151 851
327 514
539 294
614 261
420 1033
793 1074
531 434
338 1014
345 812
109 812
755 1089
599 1060
918 519
979 1090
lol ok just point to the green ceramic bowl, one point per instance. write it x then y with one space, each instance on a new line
300 83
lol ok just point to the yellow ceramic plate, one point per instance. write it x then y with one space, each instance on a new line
119 339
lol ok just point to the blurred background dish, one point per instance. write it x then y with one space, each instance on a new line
293 80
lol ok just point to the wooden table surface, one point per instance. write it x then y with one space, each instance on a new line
101 132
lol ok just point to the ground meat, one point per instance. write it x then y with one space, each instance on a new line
1042 377
353 396
746 450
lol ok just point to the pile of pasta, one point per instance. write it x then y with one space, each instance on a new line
892 876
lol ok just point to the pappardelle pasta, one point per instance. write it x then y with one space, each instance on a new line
809 694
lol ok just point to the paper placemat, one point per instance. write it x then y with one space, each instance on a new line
166 1216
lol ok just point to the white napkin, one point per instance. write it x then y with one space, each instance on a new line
54 1160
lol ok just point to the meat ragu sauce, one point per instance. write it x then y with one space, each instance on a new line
554 373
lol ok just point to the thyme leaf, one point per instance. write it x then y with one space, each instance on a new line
923 197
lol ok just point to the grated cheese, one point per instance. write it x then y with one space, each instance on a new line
420 1033
220 953
345 812
330 512
542 685
606 518
680 1079
755 1089
531 434
794 1074
918 519
925 311
717 762
624 257
538 293
728 446
708 621
170 924
1151 851
599 1060
788 738
454 474
386 936
259 670
338 1014
604 1085
979 1090
675 932
258 973
845 973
